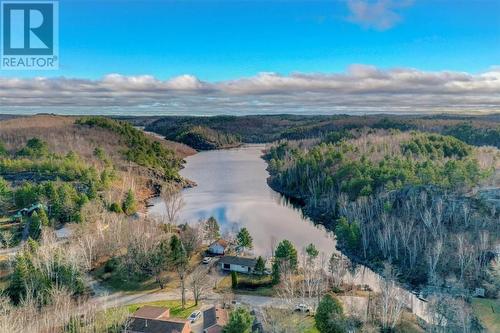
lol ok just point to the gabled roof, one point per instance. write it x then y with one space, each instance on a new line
152 312
242 261
156 326
209 317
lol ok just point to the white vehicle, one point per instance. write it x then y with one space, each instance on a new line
303 308
194 316
207 260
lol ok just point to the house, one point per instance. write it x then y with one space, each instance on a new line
152 312
142 325
154 319
237 264
28 211
218 247
214 319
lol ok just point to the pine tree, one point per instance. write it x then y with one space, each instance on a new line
129 205
240 321
35 226
244 239
44 219
18 280
260 266
329 316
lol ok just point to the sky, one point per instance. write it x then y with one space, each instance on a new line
230 56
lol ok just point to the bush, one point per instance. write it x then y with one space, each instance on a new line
234 280
115 208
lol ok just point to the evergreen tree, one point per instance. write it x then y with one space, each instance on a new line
329 316
260 266
312 252
234 280
19 279
129 205
35 229
285 252
240 321
244 239
44 219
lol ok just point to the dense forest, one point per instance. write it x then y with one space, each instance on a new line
411 199
224 131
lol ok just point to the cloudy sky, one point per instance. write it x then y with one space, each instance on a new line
240 57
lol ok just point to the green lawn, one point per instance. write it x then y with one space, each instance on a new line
176 310
312 325
488 312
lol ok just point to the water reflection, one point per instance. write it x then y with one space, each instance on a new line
232 187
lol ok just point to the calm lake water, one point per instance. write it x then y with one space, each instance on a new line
232 187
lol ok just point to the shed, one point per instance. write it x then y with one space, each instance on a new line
218 247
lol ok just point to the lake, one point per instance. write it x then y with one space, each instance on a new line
232 187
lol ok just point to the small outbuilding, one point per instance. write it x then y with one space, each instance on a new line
237 264
218 247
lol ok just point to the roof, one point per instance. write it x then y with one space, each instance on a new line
220 242
222 316
242 261
156 326
214 329
209 317
152 312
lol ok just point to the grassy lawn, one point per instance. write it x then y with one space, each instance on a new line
176 310
488 312
309 321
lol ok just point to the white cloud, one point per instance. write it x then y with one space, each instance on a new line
361 89
376 14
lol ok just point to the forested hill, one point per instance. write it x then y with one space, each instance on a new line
226 131
407 198
61 165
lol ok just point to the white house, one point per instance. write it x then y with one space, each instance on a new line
237 264
218 247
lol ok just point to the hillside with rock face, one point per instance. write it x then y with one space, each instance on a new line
415 200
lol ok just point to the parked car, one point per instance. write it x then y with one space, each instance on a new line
303 308
207 260
194 316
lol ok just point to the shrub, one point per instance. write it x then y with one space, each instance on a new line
234 280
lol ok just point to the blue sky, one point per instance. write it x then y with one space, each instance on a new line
229 39
239 57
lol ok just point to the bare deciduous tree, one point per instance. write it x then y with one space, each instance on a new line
174 203
198 281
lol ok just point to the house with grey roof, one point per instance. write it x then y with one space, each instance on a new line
237 264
